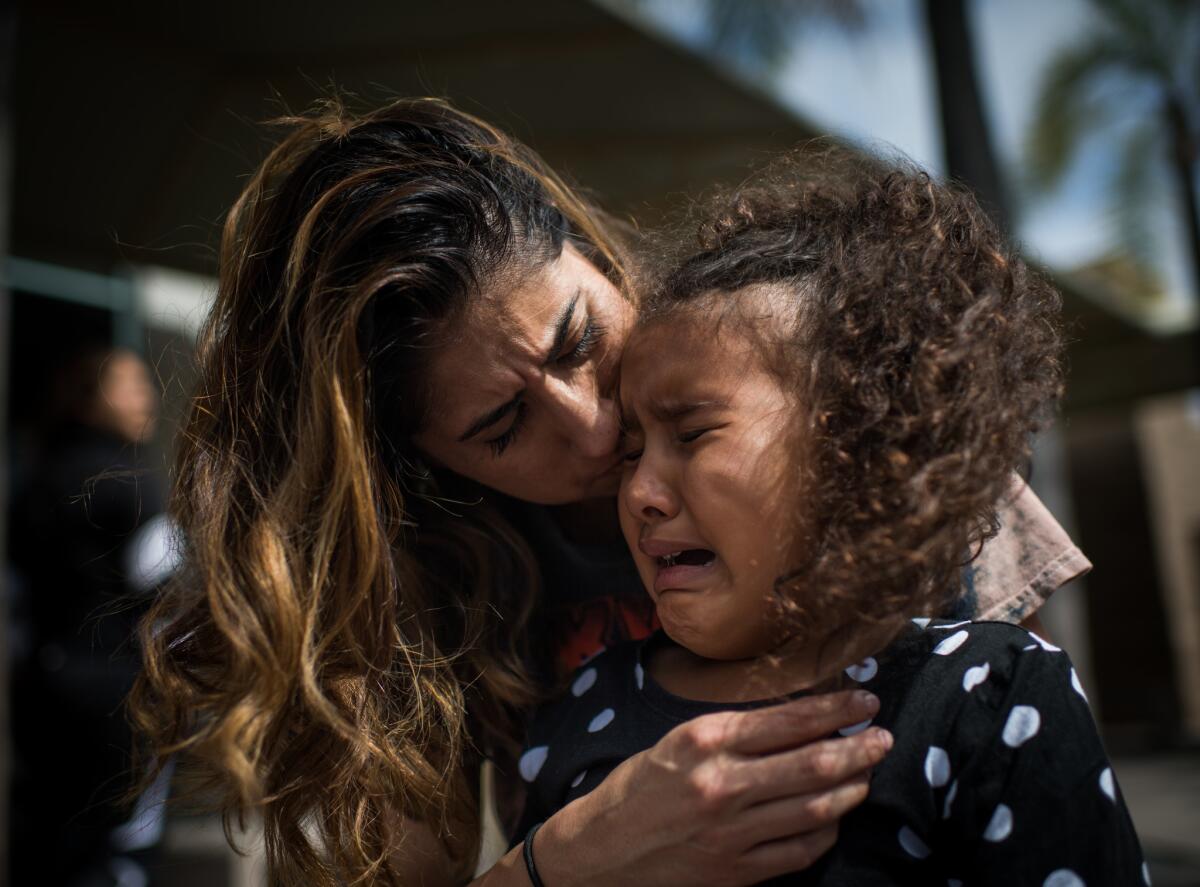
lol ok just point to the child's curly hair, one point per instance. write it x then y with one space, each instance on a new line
922 352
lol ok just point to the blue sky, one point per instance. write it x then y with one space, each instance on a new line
877 87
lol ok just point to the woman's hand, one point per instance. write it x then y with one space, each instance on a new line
731 798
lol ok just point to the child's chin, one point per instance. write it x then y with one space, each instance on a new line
709 644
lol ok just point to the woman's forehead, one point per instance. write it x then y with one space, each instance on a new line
506 338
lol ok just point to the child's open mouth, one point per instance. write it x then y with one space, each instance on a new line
690 557
682 570
678 565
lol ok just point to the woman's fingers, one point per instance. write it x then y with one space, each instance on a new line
792 724
815 768
799 814
792 854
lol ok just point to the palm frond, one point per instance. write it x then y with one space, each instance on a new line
1141 151
1150 30
1067 108
765 29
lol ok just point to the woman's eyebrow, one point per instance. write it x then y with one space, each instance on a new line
562 327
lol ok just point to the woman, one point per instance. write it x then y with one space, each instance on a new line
396 488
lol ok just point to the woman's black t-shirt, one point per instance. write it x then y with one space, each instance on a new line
997 775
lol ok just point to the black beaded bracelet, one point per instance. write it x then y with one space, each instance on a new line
530 866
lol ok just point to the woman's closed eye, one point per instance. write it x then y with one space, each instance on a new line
584 345
503 441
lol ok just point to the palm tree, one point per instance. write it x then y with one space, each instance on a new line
765 29
966 137
760 34
1151 50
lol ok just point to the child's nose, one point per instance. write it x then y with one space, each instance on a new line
647 496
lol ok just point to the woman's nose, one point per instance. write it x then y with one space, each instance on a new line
588 421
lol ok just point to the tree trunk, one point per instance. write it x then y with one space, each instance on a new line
8 45
1183 165
965 135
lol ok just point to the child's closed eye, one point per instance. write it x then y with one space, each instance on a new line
629 445
690 436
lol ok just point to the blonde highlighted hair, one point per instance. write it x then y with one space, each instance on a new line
331 654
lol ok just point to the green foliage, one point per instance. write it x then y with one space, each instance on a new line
1148 49
761 31
764 28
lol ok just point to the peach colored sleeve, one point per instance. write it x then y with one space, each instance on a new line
1028 560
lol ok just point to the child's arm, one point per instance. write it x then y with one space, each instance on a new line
1036 801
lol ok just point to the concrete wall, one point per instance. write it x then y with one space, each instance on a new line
1168 432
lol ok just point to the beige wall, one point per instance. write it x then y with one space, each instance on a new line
1168 433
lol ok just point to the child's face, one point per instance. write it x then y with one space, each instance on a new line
706 452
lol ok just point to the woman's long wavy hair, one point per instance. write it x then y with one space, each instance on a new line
922 354
342 643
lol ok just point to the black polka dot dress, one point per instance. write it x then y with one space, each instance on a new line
997 776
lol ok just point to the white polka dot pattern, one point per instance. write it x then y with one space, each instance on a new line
864 671
584 682
639 675
602 720
1063 878
1107 785
912 844
1077 686
976 676
937 766
1023 723
578 778
1045 644
1000 826
950 644
531 762
950 795
921 621
855 728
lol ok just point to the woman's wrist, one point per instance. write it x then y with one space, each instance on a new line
562 860
530 862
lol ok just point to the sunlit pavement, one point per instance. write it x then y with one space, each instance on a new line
1163 794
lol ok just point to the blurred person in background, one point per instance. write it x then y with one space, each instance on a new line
89 541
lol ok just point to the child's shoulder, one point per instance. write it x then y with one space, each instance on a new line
948 640
944 645
946 666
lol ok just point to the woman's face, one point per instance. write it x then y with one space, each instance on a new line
522 395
